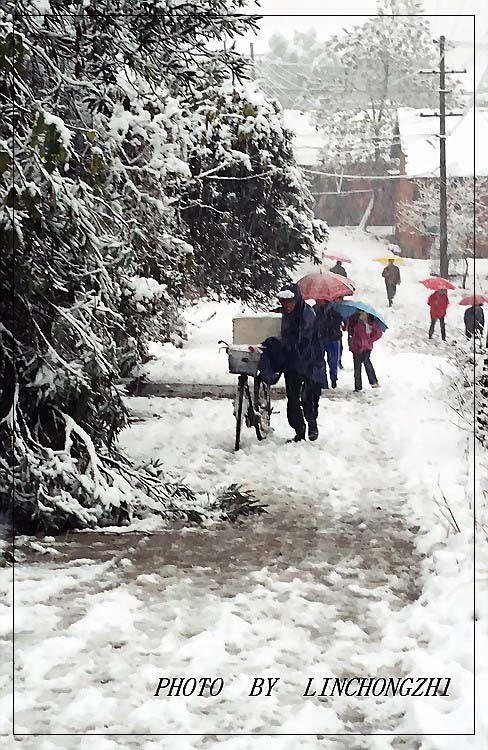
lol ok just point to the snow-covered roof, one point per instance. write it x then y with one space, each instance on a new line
421 145
308 143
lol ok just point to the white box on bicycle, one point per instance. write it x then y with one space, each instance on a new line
253 328
242 361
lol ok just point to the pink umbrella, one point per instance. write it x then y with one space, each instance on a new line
473 299
437 282
325 285
342 258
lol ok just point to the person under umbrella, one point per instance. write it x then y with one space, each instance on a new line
438 302
325 285
304 367
391 275
474 321
363 330
339 268
330 334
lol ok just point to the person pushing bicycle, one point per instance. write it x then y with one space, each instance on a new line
304 368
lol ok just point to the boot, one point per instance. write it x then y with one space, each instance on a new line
313 430
296 439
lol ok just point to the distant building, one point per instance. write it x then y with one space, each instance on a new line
419 161
343 201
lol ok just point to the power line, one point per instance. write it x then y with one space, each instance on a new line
336 87
370 176
282 78
343 192
337 70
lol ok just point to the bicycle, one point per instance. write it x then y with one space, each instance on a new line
255 406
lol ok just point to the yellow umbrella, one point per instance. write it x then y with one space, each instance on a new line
386 258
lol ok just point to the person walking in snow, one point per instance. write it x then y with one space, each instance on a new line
330 333
391 275
438 302
304 368
363 330
474 321
339 268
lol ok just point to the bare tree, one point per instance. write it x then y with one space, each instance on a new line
467 198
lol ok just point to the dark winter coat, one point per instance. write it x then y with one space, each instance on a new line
339 269
300 338
438 305
329 323
474 320
391 275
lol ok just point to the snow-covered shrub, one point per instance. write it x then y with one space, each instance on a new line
469 387
469 398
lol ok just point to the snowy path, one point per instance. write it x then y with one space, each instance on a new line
331 582
322 570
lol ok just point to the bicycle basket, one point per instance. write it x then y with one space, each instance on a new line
242 361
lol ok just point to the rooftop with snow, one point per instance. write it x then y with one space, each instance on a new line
466 142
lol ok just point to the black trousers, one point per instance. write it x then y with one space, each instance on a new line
390 291
360 359
442 323
302 397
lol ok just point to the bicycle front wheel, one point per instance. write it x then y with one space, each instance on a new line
262 408
240 396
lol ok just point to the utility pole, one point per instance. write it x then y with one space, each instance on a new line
442 114
253 64
443 256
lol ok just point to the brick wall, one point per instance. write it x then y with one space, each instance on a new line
412 242
348 210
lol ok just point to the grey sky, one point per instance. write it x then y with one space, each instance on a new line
308 14
292 15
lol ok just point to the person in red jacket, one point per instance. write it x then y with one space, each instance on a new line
363 330
438 302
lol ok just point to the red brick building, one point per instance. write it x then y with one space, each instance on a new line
466 155
343 201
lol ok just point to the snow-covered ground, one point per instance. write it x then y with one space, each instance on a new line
355 570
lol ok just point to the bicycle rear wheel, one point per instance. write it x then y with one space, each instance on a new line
240 395
262 408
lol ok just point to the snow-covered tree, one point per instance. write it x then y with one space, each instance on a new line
379 70
252 222
285 71
466 197
97 160
469 386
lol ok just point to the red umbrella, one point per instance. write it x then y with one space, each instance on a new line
437 282
473 299
342 258
325 285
